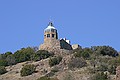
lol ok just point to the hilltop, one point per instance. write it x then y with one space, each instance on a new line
95 63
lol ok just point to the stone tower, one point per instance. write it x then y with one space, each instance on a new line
51 41
50 33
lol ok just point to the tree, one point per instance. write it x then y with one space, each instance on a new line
105 50
24 54
8 53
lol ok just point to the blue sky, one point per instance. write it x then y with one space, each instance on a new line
85 22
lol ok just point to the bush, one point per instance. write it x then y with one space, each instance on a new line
11 60
85 53
76 63
105 50
2 70
24 54
41 54
46 78
100 76
102 67
55 60
68 76
50 74
112 69
55 69
27 70
3 63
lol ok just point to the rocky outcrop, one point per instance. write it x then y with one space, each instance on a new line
118 73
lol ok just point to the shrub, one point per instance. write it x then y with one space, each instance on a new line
27 70
55 60
11 60
55 69
24 54
112 69
76 63
102 67
46 78
3 63
85 53
41 54
68 76
105 50
2 70
50 74
100 76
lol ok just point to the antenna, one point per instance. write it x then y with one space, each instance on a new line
50 19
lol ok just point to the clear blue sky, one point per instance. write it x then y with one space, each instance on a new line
86 22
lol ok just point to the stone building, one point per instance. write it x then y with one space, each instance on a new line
51 41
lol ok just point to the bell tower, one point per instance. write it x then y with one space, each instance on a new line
50 33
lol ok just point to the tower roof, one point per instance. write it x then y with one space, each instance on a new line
50 26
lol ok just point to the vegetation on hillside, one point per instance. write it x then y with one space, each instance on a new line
2 70
55 60
46 78
27 70
25 54
98 60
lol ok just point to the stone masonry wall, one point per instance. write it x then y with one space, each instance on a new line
50 45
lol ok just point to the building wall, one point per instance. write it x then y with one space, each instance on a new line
50 44
50 32
76 46
65 45
54 44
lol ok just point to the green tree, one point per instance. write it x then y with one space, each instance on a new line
25 54
8 53
105 50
